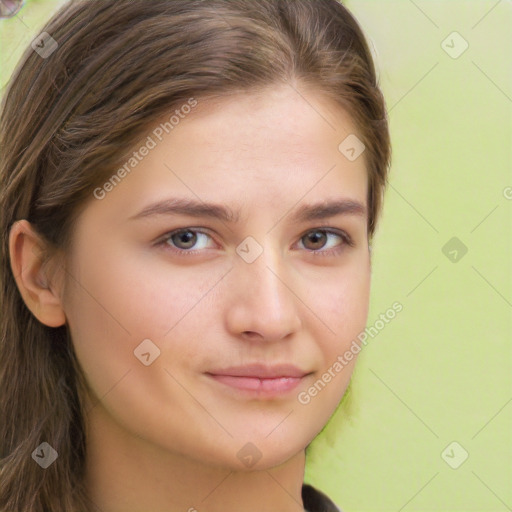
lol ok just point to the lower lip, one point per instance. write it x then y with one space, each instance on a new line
272 387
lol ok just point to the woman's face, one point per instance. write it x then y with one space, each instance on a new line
208 344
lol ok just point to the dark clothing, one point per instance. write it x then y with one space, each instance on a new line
316 501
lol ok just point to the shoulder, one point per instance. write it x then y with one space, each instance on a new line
316 501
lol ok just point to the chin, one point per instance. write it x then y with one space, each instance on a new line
260 454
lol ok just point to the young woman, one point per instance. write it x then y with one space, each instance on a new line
189 190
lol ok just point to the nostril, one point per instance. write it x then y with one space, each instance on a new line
250 334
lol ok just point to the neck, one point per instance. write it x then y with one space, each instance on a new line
125 473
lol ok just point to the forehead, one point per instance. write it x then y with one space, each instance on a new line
253 123
278 135
263 152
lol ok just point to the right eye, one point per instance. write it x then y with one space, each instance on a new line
182 240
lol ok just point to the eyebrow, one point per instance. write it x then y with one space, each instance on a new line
196 208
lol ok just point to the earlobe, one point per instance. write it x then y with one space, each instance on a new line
26 249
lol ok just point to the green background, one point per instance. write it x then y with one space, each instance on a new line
441 370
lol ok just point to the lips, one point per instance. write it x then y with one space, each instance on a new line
260 379
261 371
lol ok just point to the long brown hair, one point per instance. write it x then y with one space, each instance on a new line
67 122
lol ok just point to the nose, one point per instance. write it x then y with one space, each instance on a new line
264 300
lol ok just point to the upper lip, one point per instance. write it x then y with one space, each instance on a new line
261 371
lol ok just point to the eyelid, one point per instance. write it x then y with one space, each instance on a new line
328 229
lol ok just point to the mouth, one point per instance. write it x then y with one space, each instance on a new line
260 380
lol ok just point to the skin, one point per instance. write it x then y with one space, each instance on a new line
165 437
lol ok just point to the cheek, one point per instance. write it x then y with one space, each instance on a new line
343 302
136 294
113 306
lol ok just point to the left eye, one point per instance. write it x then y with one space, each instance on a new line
319 236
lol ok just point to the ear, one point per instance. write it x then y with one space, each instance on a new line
26 249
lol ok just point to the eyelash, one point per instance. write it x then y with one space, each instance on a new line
346 241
